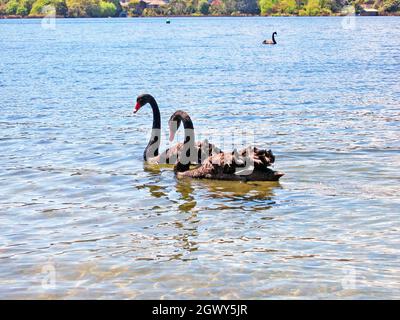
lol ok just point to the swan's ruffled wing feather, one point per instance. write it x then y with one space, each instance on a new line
235 163
170 155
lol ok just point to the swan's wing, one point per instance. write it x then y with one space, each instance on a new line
205 150
246 163
204 170
218 164
170 155
260 157
224 165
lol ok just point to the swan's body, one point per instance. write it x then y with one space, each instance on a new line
273 41
151 153
170 155
250 164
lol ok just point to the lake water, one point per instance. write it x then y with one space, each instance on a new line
82 217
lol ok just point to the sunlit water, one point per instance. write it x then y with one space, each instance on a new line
81 217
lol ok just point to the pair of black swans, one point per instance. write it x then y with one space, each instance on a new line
249 164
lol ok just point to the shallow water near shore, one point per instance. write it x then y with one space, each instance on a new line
81 216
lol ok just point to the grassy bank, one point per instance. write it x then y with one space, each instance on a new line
12 9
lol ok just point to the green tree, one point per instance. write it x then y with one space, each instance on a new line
38 7
229 6
83 8
136 7
204 7
107 9
12 7
191 6
248 6
312 7
266 6
287 6
19 7
335 5
217 7
117 5
177 7
391 5
22 10
150 12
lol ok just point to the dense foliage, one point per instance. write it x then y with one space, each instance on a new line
112 8
71 8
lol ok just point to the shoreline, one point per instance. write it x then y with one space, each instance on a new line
194 16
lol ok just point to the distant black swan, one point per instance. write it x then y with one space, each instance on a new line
271 41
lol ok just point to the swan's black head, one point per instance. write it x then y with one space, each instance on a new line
175 121
142 100
275 33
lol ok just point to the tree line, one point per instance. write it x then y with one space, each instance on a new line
113 8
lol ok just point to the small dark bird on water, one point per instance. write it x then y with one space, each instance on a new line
271 41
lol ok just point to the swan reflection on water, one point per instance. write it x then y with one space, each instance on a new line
200 213
193 194
231 191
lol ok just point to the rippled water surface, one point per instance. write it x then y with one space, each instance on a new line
82 217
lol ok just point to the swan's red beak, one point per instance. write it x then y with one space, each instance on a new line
137 107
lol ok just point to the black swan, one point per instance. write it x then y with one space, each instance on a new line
271 41
169 156
189 152
250 164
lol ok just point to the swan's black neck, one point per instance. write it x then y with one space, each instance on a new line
154 142
187 125
273 38
188 154
189 130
